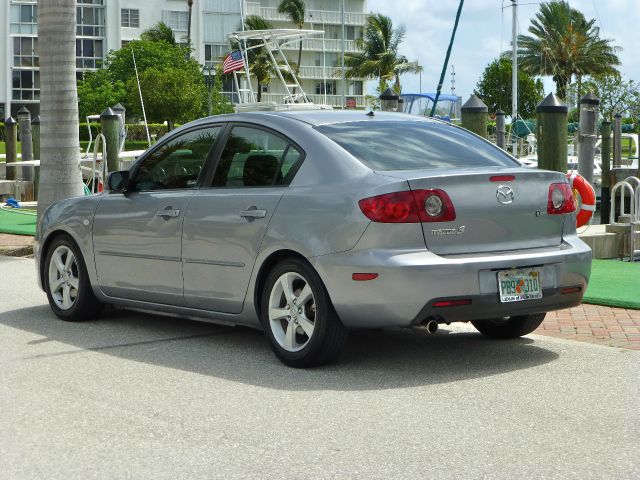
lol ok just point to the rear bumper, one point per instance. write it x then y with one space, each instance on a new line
410 281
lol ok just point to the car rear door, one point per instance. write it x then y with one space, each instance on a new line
138 235
226 221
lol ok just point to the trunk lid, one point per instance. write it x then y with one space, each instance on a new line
488 221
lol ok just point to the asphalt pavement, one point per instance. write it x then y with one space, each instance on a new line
139 396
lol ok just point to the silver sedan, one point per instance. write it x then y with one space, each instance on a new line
308 224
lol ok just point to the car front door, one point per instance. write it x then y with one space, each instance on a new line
138 235
226 221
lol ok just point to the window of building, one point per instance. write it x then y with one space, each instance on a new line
25 52
25 85
24 19
90 21
326 59
89 53
177 21
214 53
130 18
355 88
330 86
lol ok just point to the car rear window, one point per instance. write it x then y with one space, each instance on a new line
414 145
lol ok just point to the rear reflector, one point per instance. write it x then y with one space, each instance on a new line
363 277
502 178
568 290
409 206
451 303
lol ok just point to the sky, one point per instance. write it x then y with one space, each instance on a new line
485 30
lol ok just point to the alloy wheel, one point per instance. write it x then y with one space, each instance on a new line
292 311
63 277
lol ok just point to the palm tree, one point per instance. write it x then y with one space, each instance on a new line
190 5
295 9
379 56
60 175
260 64
563 43
160 32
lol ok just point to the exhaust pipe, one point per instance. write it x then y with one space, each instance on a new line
429 326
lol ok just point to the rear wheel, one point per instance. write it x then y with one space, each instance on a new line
509 327
298 317
67 282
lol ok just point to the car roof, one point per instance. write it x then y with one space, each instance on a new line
322 117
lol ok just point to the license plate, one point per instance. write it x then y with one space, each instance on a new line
518 285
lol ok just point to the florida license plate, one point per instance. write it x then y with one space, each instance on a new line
518 285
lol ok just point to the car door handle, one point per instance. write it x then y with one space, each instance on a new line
168 213
253 213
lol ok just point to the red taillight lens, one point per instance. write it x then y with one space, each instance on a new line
399 207
560 199
409 207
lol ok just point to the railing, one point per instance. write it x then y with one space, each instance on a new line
330 45
315 16
629 185
331 100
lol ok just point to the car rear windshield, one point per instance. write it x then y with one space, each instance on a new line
414 145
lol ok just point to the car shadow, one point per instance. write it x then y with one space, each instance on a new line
372 360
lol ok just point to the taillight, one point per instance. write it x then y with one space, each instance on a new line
409 206
560 199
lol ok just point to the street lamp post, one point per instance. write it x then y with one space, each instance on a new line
209 81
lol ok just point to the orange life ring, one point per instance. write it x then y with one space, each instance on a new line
587 198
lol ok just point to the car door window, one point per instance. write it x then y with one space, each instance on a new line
177 163
255 158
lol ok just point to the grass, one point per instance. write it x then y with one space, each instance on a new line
614 283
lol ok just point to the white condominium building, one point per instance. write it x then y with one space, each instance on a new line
104 25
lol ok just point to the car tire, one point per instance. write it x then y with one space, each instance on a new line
298 317
67 283
511 327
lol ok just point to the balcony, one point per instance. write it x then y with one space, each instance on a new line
315 16
316 44
332 100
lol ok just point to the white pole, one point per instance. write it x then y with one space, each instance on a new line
514 74
144 115
344 81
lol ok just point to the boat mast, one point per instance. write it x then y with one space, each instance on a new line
514 74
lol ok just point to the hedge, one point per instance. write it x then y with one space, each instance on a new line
135 132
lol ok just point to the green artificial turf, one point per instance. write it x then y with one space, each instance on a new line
18 221
615 284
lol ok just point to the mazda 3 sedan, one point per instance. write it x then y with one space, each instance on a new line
308 224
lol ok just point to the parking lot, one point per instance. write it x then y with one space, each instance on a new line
133 395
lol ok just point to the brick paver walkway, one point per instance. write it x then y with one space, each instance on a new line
616 327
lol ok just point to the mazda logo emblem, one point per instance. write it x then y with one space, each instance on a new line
505 195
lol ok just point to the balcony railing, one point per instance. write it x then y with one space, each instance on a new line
315 16
330 45
332 100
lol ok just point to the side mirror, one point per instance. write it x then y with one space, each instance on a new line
118 181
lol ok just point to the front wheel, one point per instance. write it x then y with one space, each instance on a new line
298 317
509 327
67 282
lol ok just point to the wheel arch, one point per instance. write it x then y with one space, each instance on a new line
51 237
267 265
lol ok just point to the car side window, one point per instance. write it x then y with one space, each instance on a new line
255 158
177 163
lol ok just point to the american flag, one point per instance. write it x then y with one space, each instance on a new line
232 62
